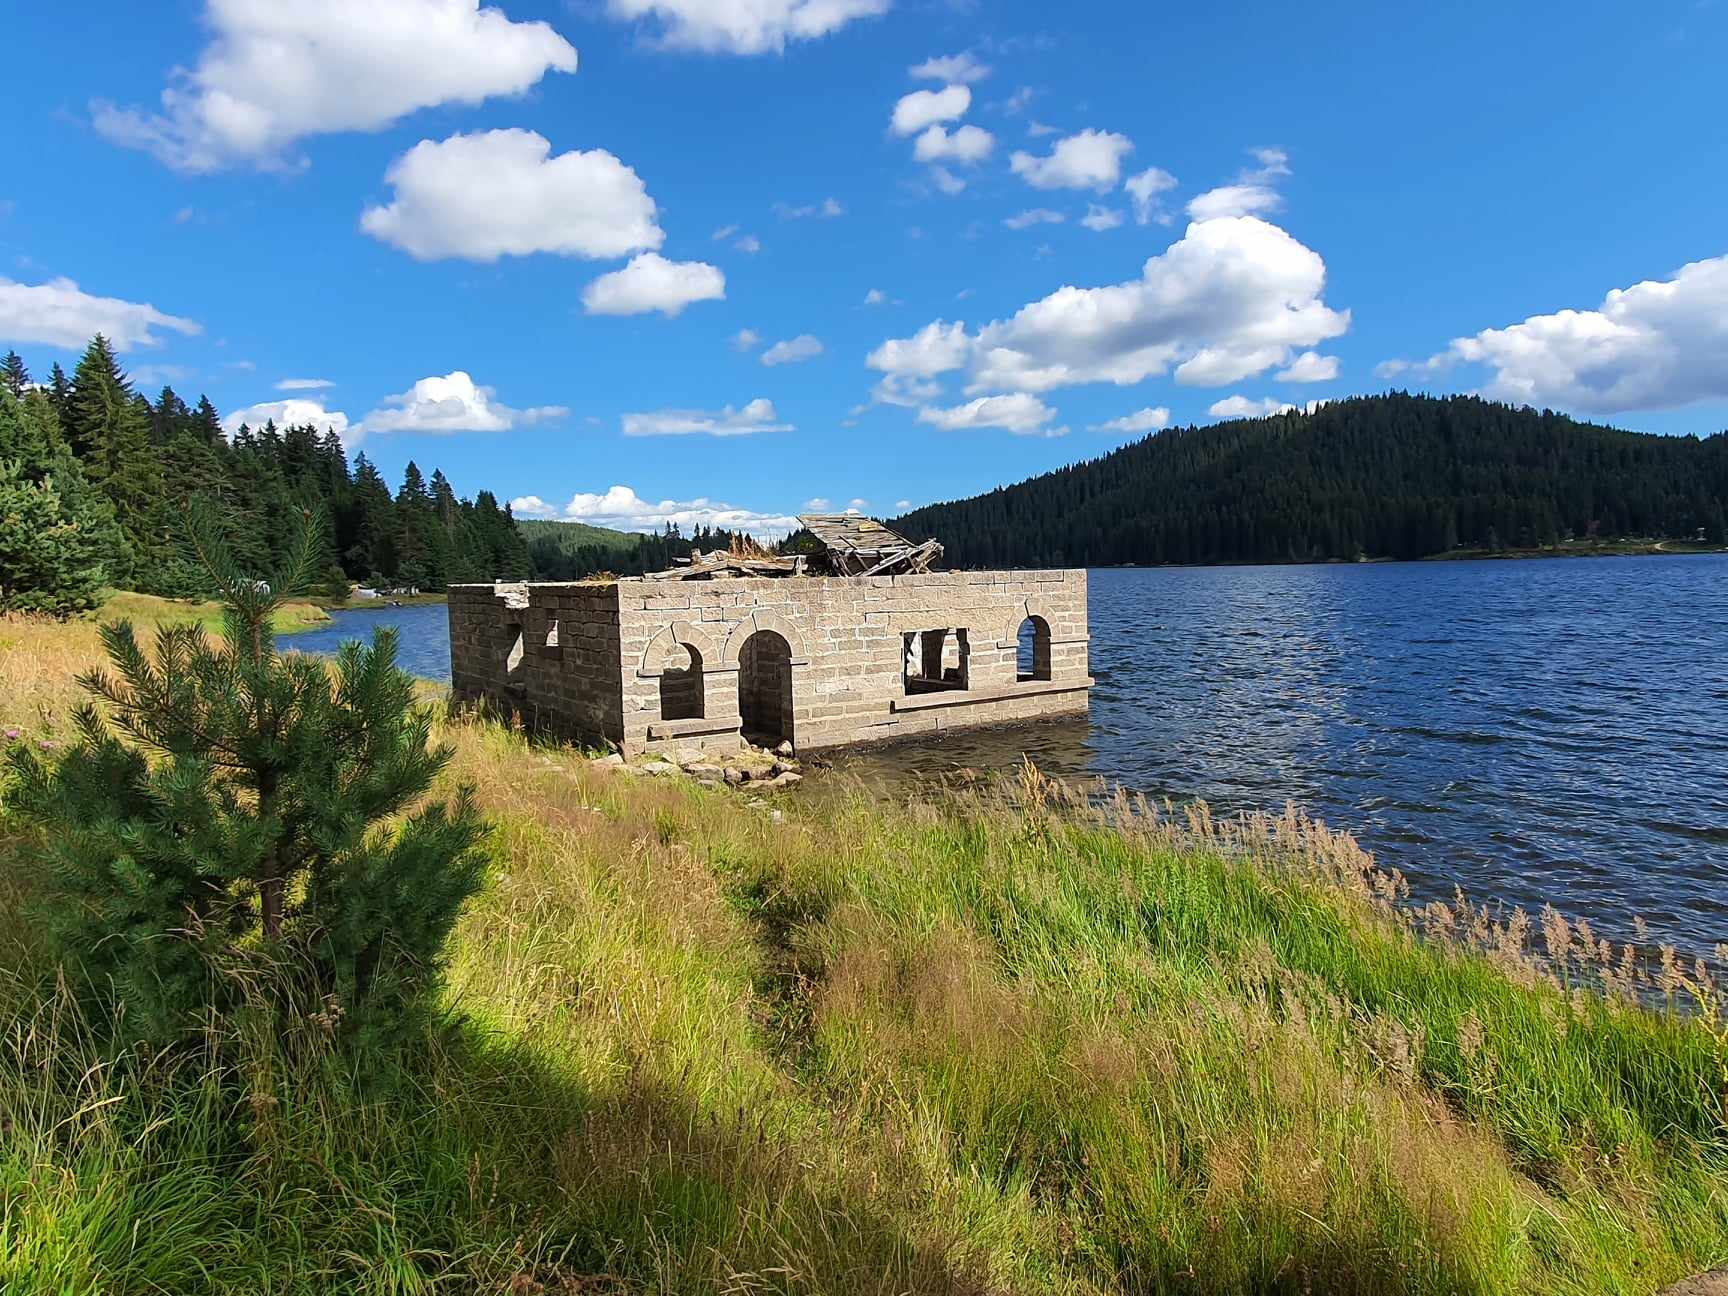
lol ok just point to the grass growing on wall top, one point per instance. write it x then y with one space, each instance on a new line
991 1045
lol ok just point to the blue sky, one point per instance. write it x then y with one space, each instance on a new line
627 260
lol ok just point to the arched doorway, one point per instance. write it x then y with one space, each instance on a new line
765 689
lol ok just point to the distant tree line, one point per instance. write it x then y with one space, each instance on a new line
571 551
1393 476
94 478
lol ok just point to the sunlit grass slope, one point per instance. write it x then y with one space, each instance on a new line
997 1044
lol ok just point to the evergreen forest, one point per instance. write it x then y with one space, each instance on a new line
95 476
1392 476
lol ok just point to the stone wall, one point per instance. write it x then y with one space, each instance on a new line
822 661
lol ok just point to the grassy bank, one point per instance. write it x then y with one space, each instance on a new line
987 1045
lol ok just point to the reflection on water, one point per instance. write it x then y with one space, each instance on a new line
1533 730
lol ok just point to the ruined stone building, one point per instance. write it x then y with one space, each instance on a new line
739 648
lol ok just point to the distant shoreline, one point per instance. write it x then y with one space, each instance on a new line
1609 549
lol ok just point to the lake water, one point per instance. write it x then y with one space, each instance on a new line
1535 731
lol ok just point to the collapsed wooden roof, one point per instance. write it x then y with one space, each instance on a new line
861 546
851 546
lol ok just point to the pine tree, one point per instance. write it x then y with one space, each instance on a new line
415 527
217 834
14 377
373 555
58 539
110 434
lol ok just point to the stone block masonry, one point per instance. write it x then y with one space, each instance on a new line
645 664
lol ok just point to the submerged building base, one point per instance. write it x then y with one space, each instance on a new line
817 661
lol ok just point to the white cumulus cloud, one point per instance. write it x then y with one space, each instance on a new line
742 26
1308 367
1091 159
745 339
1246 407
1018 412
1099 218
59 313
966 145
1659 344
793 350
757 416
1146 188
924 108
274 73
502 193
652 283
304 384
936 348
1150 419
951 68
1252 193
827 209
1036 216
1229 299
451 403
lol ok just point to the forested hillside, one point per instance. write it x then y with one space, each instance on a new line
1394 476
572 550
94 477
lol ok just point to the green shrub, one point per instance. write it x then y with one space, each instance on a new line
223 829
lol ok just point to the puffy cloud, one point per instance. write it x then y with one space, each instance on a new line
936 348
304 384
623 509
275 73
745 339
1308 367
1216 366
743 26
502 193
945 180
59 313
532 506
967 145
903 390
1036 216
1253 192
652 283
757 416
1234 200
1090 160
1656 345
875 297
901 506
1147 420
295 413
818 504
1145 189
951 68
1019 412
827 209
749 244
453 403
924 108
793 350
1245 407
1099 218
1231 297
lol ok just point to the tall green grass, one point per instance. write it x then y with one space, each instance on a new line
991 1043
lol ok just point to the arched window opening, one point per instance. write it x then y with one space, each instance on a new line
1033 658
765 689
681 695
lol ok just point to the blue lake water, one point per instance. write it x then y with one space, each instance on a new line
1535 731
